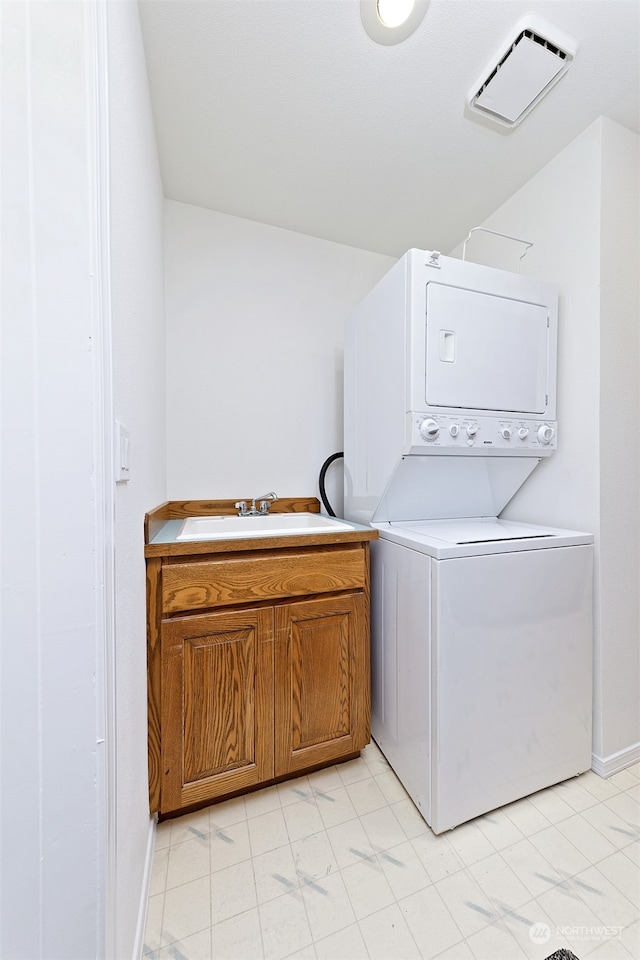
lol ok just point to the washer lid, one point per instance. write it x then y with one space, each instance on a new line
471 530
476 536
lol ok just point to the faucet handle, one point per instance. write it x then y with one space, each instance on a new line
241 507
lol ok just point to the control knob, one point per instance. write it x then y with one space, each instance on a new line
545 433
523 433
454 429
506 433
429 429
472 429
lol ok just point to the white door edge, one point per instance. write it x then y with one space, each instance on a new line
97 50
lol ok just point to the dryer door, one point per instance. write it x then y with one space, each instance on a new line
485 352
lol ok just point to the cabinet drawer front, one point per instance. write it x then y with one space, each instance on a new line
192 586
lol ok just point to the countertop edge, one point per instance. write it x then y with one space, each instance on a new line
236 544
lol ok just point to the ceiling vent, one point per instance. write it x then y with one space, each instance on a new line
524 71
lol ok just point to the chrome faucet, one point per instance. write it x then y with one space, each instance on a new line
263 503
260 511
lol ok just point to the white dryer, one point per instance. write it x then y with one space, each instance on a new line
481 628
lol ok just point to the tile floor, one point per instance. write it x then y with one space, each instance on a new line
339 865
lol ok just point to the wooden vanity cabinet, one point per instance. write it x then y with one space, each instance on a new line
258 667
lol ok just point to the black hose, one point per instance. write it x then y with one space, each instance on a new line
323 470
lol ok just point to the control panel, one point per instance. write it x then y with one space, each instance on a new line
446 433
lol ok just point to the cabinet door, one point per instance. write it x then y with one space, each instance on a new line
322 681
217 705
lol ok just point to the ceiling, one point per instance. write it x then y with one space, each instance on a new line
286 112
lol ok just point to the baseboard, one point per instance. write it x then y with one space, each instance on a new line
615 762
138 946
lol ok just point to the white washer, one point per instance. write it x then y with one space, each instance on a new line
481 660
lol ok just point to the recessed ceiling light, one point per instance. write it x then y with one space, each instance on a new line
395 12
391 21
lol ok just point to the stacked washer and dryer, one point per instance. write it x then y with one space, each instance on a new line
481 627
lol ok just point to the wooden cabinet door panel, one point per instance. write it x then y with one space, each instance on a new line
217 717
322 680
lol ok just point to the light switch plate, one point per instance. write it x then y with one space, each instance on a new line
122 453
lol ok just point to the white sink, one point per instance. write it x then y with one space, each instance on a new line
271 525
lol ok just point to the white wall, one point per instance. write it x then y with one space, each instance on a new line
581 212
255 319
255 328
619 456
51 829
137 300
